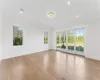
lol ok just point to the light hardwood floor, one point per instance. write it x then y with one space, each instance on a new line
50 65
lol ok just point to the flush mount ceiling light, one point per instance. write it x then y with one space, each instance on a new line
69 3
77 16
21 10
51 14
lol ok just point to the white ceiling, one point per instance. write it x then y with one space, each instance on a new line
35 11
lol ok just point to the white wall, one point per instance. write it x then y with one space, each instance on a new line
0 36
33 37
92 38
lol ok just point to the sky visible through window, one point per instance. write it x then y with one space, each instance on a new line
80 32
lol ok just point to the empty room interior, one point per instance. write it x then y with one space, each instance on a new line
49 39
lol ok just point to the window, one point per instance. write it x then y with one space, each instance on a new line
17 36
45 37
61 40
71 40
79 40
58 40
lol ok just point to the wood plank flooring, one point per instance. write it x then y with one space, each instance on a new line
49 65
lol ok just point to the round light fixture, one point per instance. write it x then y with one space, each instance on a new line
77 16
21 10
51 14
69 3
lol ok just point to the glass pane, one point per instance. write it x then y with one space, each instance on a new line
63 40
58 40
45 37
80 40
71 40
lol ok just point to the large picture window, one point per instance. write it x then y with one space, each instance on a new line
71 40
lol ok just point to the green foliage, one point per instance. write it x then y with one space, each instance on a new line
45 40
58 39
45 37
80 48
80 38
70 38
63 46
63 38
17 41
71 47
61 41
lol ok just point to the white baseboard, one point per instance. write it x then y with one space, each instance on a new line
23 54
